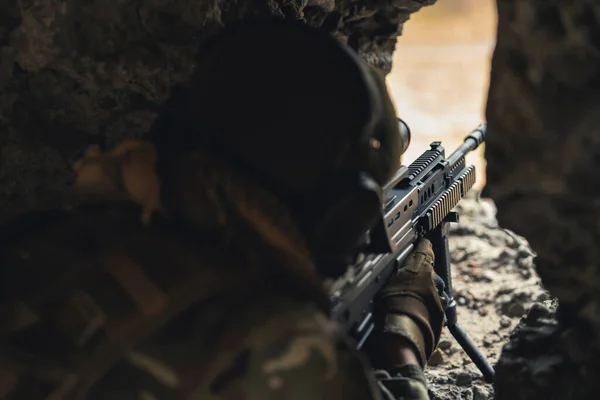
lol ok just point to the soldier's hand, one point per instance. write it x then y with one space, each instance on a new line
406 382
410 305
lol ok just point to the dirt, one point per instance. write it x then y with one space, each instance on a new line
495 284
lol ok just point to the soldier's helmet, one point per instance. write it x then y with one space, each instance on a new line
291 104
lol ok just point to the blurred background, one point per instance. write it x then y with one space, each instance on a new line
440 74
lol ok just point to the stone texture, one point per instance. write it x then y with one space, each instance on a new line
544 144
545 360
543 154
75 73
488 280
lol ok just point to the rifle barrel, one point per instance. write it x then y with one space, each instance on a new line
470 143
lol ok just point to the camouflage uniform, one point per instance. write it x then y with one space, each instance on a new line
97 306
215 297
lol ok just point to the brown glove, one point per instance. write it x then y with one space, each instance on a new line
410 304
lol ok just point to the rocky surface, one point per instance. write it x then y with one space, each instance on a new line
495 285
75 73
545 360
543 153
544 94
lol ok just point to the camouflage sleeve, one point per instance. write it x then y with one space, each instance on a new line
297 356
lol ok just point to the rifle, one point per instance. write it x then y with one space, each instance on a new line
418 203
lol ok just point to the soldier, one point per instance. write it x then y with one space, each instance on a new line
192 269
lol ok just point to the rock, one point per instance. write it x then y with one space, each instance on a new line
504 290
445 344
463 301
488 276
437 358
463 378
525 273
458 255
505 322
508 254
487 342
513 308
538 311
480 304
463 230
505 298
523 294
524 252
466 394
449 393
542 296
482 393
525 263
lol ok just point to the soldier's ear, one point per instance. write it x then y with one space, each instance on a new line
339 213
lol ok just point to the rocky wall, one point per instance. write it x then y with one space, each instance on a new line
75 73
543 155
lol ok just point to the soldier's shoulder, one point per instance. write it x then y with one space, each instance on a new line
282 350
